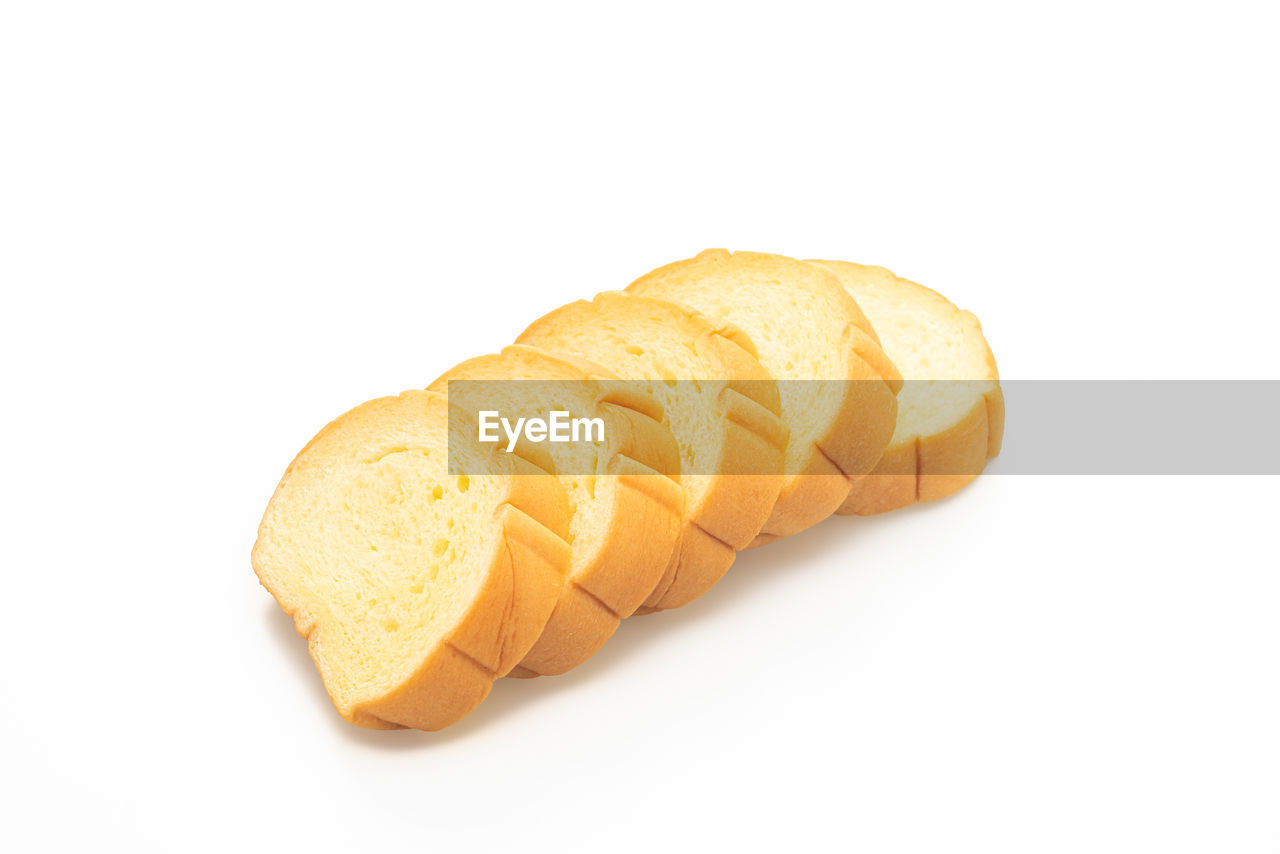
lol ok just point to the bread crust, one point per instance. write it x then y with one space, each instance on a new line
520 585
851 442
640 505
729 508
925 468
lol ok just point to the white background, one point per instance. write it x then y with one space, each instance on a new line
223 224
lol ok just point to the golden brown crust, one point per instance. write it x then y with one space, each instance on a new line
851 442
443 690
524 599
700 560
925 468
638 506
723 511
580 615
646 523
995 419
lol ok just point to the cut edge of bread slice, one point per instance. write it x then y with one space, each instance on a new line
951 410
414 588
805 327
625 515
721 405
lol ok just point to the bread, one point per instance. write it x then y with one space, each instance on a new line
623 526
805 327
741 397
951 408
414 588
720 404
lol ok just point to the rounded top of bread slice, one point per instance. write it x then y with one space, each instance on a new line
710 383
380 554
655 338
938 348
685 361
805 328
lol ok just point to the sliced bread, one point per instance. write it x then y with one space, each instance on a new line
624 493
414 588
951 408
836 385
722 408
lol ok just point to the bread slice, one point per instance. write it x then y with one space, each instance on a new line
805 327
722 408
414 588
624 495
951 408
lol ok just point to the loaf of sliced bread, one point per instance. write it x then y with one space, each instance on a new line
951 408
624 494
743 397
722 408
836 385
414 588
